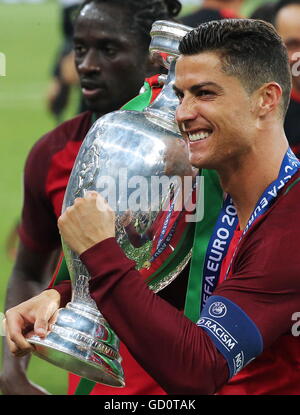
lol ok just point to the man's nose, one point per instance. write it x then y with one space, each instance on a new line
186 110
90 62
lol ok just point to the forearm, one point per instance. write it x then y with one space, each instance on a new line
19 290
28 279
177 353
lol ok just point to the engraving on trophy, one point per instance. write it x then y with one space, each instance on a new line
89 169
85 342
102 334
81 290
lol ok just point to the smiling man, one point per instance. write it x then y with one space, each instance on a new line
233 82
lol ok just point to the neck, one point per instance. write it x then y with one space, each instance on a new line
247 179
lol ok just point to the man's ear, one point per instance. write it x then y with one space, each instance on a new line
269 98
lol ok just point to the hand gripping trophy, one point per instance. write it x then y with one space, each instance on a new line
121 150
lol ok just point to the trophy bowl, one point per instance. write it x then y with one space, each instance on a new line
139 162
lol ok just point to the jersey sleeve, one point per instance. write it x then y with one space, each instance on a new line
38 229
170 347
259 297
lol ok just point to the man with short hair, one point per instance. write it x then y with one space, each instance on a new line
233 82
111 41
287 23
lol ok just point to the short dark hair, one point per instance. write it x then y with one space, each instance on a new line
249 49
142 14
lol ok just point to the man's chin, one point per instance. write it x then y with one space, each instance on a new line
203 163
90 105
96 107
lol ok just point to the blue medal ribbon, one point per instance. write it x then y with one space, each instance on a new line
163 241
163 245
166 224
217 248
228 221
289 167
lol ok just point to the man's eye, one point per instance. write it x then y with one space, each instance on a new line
204 92
179 96
79 50
110 51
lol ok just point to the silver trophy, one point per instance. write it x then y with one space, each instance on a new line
120 156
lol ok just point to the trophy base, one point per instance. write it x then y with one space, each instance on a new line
75 364
70 346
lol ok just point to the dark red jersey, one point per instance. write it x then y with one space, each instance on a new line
46 176
263 284
273 372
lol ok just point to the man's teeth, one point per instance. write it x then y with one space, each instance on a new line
199 136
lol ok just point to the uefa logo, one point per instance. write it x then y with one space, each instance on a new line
217 309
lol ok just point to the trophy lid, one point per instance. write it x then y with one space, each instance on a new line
166 36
